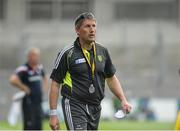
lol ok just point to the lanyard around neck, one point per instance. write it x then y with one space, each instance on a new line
91 65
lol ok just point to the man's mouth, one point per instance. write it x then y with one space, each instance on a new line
92 35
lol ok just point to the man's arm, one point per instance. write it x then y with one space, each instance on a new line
117 90
53 99
53 95
58 74
15 81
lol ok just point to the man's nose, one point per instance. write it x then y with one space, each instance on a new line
92 29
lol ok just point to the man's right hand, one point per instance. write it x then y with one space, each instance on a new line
54 123
26 90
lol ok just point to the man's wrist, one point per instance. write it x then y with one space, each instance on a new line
25 89
53 112
122 99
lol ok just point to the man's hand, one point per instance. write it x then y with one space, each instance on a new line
54 123
15 81
26 90
126 106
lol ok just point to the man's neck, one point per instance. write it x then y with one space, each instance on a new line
33 66
86 45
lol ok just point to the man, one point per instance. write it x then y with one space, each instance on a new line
30 78
82 69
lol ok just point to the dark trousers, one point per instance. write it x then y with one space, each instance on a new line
80 116
32 115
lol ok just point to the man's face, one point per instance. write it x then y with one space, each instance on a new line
87 30
34 57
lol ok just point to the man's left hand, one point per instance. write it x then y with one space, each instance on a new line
127 107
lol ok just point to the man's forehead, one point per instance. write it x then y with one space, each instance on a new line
89 21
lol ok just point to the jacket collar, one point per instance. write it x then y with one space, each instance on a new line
77 43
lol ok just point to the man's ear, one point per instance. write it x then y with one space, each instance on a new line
77 30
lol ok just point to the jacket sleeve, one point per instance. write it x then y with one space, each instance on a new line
109 67
60 67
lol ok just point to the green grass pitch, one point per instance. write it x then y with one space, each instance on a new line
109 125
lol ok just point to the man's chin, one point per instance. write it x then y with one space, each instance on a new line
91 40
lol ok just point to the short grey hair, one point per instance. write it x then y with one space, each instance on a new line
81 17
32 49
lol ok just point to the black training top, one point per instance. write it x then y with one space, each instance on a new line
72 70
32 79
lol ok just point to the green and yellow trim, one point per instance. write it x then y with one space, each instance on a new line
67 80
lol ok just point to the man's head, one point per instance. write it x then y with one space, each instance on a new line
85 26
33 56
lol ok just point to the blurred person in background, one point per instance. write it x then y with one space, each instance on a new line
31 78
82 69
